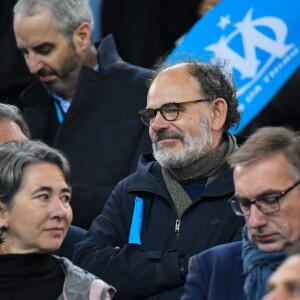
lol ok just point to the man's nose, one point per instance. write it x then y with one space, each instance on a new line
34 63
159 122
256 218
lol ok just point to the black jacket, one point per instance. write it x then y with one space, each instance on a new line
152 269
14 73
101 133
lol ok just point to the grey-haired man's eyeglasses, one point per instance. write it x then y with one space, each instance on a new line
266 204
169 111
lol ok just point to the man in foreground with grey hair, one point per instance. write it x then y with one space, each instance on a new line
175 205
266 170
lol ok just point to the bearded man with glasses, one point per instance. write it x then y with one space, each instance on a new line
175 205
266 170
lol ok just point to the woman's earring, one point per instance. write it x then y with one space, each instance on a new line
3 229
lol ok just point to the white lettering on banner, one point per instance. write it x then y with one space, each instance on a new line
268 78
278 67
251 95
249 66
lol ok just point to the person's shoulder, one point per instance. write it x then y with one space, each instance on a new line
75 274
226 257
108 57
143 171
224 251
147 174
138 72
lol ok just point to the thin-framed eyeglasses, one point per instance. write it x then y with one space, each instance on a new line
266 204
169 111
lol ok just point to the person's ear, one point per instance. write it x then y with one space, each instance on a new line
3 214
82 37
3 223
218 110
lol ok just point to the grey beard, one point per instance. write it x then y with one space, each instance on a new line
192 150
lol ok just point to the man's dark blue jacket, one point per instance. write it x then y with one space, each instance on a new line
216 274
151 270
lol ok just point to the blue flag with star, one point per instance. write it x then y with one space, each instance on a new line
259 39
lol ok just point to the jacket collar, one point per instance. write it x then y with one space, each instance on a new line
149 178
108 55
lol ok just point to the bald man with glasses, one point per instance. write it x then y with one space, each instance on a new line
266 170
176 204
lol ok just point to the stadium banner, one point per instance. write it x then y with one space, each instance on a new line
260 41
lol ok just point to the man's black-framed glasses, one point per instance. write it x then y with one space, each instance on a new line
169 111
266 204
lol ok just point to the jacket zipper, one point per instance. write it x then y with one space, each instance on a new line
177 228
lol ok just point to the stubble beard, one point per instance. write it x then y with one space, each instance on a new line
66 76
